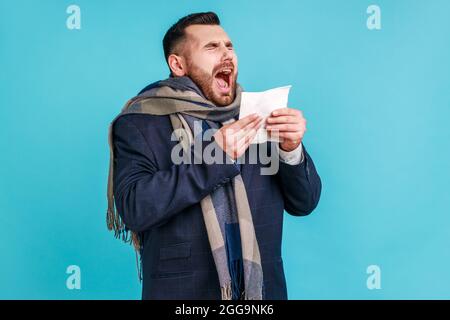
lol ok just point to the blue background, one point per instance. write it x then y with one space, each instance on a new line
377 105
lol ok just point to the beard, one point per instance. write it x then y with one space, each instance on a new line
206 82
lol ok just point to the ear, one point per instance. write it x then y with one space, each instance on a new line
177 65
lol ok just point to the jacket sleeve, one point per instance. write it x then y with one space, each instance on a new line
146 196
301 186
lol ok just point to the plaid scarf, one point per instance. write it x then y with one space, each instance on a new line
180 99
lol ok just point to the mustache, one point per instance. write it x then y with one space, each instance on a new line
225 65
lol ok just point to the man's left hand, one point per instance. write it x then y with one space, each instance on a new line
289 125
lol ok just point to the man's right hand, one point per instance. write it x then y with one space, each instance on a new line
235 138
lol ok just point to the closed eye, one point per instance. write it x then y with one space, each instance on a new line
212 45
215 45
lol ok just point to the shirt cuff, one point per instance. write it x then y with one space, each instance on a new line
293 157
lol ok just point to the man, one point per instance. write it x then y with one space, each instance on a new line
205 230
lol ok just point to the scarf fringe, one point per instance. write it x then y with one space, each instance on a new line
246 297
226 291
115 223
237 278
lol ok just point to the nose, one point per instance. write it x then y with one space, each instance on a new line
227 54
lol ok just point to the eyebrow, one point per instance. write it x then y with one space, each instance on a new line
211 43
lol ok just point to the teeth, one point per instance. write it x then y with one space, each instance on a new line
226 71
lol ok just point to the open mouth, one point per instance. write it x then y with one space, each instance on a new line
223 80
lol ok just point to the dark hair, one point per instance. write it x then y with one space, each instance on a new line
176 34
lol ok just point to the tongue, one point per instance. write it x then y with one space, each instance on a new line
222 83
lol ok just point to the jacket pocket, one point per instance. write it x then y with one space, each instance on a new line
174 261
180 250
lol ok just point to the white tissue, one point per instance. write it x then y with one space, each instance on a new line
263 103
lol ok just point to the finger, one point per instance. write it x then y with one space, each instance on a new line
258 122
233 129
247 142
248 138
294 136
283 119
284 127
286 111
242 144
235 139
253 126
245 121
238 130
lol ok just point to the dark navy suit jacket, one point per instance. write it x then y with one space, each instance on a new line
161 201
